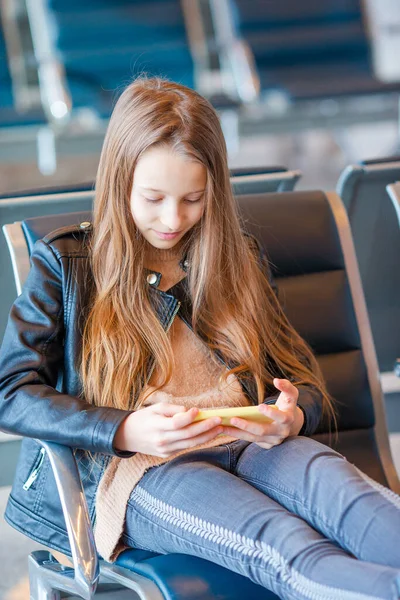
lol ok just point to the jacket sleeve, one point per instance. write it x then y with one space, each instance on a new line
31 358
310 399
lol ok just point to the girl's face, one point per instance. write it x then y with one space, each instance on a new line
167 197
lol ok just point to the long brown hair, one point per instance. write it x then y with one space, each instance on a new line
236 313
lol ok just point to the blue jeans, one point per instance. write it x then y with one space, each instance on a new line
297 519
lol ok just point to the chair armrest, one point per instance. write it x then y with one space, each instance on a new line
80 534
394 194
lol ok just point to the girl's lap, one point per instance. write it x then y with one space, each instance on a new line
210 485
300 484
189 496
198 504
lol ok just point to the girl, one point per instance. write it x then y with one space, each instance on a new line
162 307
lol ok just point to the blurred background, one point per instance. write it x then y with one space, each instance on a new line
312 87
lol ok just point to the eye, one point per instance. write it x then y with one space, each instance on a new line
193 201
152 200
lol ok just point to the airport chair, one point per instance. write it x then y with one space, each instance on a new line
392 384
376 234
308 240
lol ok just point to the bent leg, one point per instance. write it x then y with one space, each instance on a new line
191 506
318 484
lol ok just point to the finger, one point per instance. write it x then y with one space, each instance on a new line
275 413
180 419
183 444
286 403
289 393
271 440
251 427
168 410
263 430
181 428
286 386
239 434
271 443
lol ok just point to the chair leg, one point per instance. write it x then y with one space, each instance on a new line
40 587
48 577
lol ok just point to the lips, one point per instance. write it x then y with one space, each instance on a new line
166 236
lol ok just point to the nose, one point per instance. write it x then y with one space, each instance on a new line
172 216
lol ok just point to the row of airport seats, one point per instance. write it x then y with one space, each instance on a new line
92 49
309 49
102 45
307 237
6 98
10 116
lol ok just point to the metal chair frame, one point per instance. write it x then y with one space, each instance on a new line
345 186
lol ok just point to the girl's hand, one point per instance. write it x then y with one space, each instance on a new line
163 429
288 420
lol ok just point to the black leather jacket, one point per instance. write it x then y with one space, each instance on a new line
40 389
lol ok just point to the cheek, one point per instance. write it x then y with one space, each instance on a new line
197 213
141 211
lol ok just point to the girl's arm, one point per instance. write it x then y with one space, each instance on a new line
31 361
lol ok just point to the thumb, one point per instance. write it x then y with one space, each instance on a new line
285 402
288 396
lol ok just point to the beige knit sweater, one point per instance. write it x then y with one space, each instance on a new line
194 383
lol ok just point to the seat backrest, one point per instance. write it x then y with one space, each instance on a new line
376 235
261 183
307 237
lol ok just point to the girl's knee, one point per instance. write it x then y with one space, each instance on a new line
307 447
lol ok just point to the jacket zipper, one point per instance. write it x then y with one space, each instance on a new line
35 471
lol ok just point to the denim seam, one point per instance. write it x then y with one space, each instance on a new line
334 535
388 494
37 517
231 458
179 537
41 540
126 538
246 546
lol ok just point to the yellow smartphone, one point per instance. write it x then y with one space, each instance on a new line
251 413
